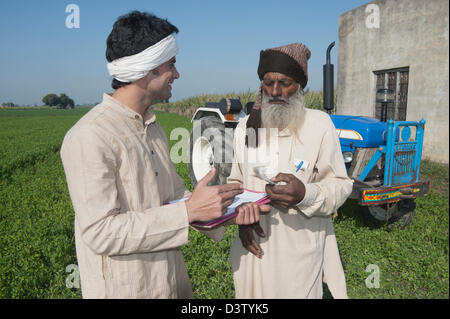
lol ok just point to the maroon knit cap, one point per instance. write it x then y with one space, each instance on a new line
290 60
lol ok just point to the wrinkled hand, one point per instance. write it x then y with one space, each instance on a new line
248 213
209 202
287 195
248 238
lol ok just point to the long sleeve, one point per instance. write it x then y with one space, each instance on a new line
106 228
331 185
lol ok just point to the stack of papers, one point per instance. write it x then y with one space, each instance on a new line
247 196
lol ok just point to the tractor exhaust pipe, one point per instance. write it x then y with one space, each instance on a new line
328 82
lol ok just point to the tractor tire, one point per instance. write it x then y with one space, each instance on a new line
401 213
208 149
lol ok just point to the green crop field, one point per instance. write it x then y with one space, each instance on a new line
37 242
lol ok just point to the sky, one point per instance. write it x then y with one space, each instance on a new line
219 43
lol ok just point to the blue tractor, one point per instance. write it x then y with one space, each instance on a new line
382 157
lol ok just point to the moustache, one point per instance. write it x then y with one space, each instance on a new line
277 99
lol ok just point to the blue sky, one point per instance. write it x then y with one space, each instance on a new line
219 43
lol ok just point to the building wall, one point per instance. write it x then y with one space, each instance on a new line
411 33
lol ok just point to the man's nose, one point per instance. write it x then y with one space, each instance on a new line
176 75
276 90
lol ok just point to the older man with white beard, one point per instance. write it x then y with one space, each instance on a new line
296 249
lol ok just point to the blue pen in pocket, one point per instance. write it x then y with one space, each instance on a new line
299 166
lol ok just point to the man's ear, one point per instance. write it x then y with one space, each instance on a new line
155 72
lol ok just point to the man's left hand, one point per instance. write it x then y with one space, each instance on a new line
287 195
248 213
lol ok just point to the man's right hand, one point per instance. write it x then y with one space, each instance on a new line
248 239
209 202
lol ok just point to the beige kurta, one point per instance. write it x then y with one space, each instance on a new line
300 244
119 175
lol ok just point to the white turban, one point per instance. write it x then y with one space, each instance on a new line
134 67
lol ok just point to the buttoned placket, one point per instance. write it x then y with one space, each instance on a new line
150 147
142 128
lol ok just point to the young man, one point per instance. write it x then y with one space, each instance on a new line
296 248
120 177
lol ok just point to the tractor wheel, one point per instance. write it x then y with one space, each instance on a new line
401 212
210 148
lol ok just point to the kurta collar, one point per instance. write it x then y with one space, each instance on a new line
149 116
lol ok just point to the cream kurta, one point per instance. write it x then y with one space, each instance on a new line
300 244
119 175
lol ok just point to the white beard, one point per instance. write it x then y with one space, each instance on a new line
289 115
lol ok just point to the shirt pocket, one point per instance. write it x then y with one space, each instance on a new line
305 172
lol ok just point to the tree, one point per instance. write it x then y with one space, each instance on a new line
71 104
51 99
61 102
65 101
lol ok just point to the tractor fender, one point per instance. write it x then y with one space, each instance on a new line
206 111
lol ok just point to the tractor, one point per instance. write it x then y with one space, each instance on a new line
382 157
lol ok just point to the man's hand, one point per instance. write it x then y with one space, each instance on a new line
209 202
248 239
248 213
287 195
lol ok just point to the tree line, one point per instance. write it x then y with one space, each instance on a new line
61 102
8 104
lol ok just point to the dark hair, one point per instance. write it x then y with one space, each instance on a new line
134 32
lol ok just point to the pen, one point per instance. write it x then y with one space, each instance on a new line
299 165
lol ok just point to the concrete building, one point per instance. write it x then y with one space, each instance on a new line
403 45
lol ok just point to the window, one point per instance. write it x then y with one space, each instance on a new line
397 80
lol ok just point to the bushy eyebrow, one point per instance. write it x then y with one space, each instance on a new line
283 80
